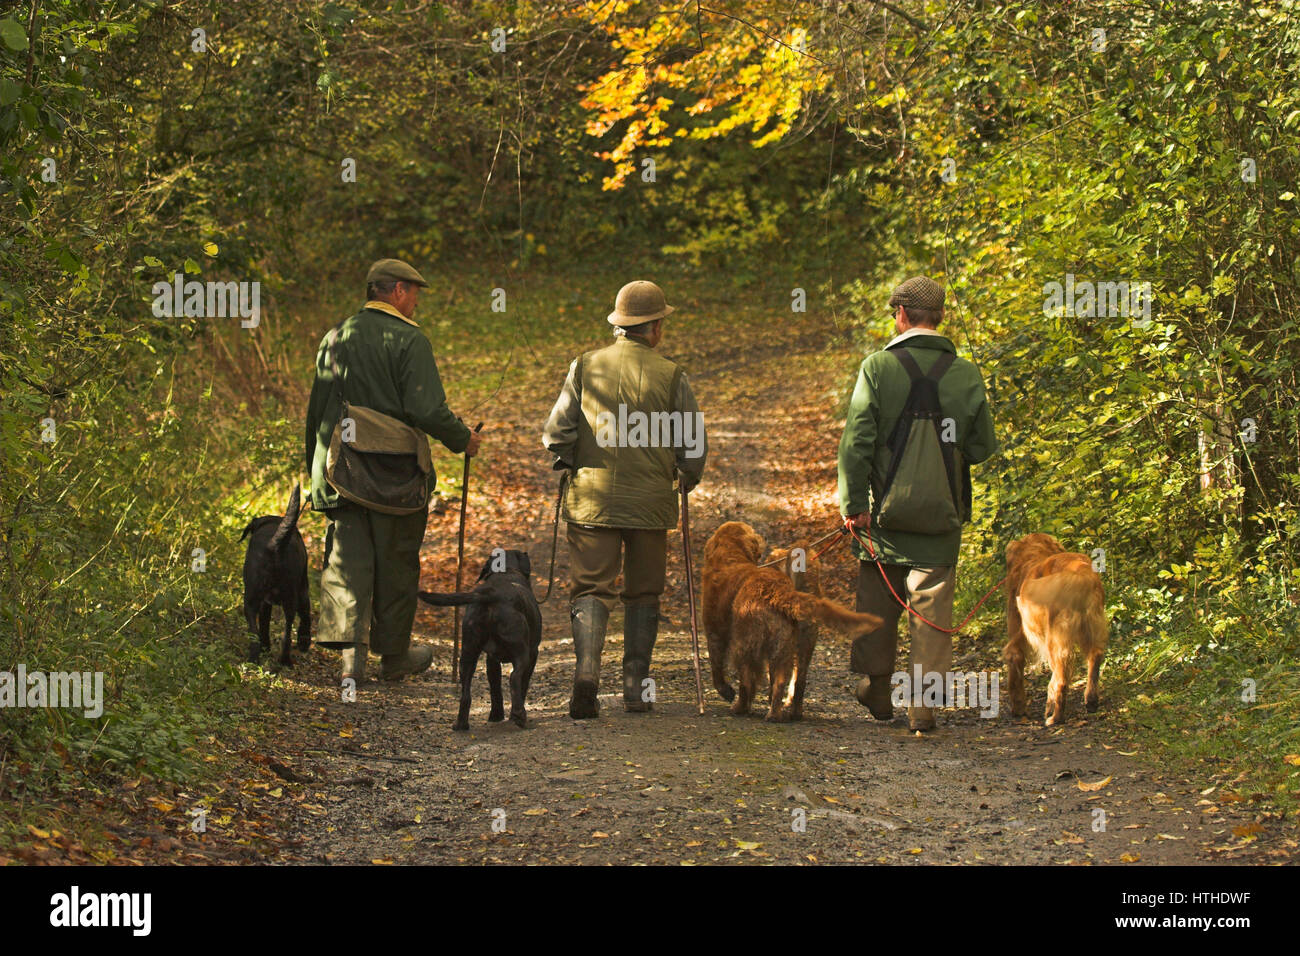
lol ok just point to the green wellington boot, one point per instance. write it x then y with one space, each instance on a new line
354 662
588 616
640 628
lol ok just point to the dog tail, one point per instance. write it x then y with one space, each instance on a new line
806 608
456 598
288 523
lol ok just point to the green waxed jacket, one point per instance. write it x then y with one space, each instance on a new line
387 365
877 403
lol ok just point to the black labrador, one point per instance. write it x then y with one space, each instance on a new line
504 620
275 572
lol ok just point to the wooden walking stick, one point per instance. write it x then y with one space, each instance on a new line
690 593
460 566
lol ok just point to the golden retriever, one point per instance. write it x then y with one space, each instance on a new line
757 620
1055 606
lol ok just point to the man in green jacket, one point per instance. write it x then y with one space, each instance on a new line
372 559
626 424
917 553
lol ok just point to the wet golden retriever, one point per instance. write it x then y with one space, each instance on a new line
1055 606
756 619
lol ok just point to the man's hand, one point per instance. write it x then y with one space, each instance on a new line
859 521
475 439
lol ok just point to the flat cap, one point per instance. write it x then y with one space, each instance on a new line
393 270
918 292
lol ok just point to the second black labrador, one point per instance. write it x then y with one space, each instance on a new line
275 572
504 622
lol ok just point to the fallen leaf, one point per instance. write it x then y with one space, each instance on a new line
1089 787
1130 857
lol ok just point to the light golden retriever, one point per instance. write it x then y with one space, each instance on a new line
1055 606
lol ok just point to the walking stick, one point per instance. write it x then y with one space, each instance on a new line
690 593
460 566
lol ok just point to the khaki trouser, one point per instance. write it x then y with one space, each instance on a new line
371 576
595 555
930 592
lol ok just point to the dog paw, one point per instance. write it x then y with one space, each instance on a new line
727 693
496 716
1092 705
460 725
254 652
519 720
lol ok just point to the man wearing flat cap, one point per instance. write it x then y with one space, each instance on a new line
904 484
627 427
378 367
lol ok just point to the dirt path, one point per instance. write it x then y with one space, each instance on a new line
391 782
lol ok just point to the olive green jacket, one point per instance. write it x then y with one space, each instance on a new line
626 423
387 365
877 403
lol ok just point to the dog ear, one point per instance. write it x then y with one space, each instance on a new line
487 569
525 565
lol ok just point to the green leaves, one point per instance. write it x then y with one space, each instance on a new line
13 35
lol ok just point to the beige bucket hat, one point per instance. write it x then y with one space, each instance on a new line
638 302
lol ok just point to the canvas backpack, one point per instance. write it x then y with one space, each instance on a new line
923 491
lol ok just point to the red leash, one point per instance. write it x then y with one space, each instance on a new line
911 610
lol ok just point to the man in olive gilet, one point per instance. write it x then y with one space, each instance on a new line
626 425
371 577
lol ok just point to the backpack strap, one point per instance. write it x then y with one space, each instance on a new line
923 382
937 370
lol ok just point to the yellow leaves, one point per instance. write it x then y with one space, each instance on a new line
536 812
1090 787
751 71
38 832
897 95
1130 857
1292 759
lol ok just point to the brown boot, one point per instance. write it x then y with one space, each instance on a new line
397 666
920 718
876 694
